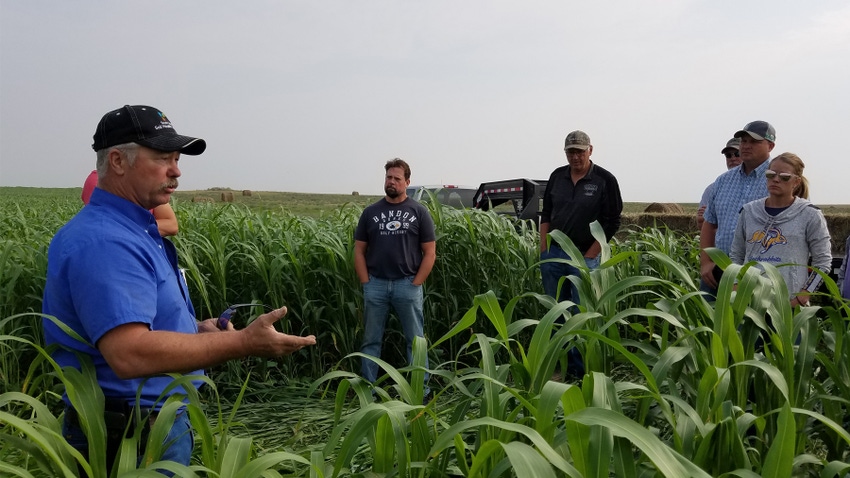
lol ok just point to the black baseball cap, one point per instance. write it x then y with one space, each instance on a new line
759 130
144 125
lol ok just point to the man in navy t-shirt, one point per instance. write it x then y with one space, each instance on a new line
394 251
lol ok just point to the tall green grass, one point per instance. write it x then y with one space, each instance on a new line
234 254
676 385
31 441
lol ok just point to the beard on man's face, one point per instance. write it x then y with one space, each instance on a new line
392 192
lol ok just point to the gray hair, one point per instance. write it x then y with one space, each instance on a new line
129 150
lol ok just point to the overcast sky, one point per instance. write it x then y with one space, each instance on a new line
315 96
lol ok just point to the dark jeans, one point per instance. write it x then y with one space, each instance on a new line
553 271
178 443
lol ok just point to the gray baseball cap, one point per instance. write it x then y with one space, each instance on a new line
734 143
759 130
577 140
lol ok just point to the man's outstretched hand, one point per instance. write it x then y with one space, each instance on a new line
265 341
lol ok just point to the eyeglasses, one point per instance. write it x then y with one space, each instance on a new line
785 177
729 155
225 316
574 151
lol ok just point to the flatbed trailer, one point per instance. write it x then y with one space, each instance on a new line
524 195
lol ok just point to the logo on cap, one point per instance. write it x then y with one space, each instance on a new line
165 123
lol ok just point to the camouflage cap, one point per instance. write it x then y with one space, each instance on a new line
734 143
759 130
577 140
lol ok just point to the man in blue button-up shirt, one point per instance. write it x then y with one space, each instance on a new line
733 189
115 282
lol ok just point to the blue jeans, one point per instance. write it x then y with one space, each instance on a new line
407 301
553 271
179 442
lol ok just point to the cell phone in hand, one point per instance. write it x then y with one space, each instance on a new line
228 314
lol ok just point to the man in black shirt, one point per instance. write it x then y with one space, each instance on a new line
576 195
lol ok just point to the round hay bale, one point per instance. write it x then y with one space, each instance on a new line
355 193
246 192
665 208
202 199
227 196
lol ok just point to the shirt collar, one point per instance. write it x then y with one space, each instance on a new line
759 171
132 211
588 174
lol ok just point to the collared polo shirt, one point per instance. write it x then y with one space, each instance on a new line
571 208
108 266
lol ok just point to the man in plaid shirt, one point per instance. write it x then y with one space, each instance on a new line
733 189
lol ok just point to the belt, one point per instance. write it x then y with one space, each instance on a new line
116 420
112 419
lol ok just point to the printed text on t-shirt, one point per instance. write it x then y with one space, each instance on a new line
394 222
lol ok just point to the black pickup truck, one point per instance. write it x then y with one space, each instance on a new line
446 194
525 196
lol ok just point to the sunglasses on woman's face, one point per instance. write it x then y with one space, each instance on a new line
785 177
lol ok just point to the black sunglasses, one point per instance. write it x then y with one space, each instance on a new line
729 155
225 316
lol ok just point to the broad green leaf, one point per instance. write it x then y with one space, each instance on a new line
667 461
777 463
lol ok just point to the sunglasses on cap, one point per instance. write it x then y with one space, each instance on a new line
785 177
729 155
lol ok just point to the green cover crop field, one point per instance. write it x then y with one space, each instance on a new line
676 385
